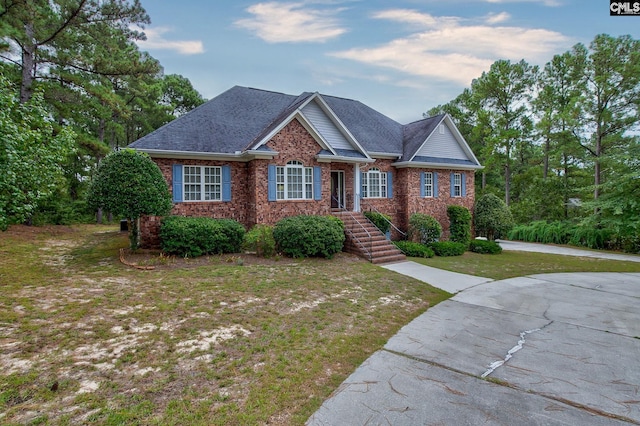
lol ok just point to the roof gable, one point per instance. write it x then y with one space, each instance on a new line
437 141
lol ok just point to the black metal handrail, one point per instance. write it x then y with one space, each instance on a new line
371 207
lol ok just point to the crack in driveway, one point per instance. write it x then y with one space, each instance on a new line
497 364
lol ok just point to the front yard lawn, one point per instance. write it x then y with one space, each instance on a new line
229 340
511 264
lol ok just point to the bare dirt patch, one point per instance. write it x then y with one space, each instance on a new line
234 339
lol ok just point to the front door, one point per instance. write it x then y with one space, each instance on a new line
337 190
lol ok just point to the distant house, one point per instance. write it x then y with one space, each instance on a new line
258 156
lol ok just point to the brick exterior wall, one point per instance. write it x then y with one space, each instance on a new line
409 195
249 188
292 143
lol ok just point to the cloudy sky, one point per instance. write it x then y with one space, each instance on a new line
400 57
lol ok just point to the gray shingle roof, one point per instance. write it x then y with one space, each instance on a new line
416 133
225 124
240 118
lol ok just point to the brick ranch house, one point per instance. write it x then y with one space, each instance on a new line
258 156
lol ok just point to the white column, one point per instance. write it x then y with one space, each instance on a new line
357 187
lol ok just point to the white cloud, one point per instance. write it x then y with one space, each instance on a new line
291 23
497 18
448 50
156 41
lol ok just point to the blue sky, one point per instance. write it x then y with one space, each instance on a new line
400 57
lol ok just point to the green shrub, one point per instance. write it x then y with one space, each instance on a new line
592 238
196 236
485 247
412 249
543 232
448 248
492 217
260 240
306 236
459 224
381 221
424 228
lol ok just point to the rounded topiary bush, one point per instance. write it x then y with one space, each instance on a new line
197 236
492 217
485 247
424 228
412 249
308 236
448 248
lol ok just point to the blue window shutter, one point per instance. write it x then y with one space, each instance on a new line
226 183
317 183
423 192
362 184
463 179
271 181
452 190
389 185
435 185
177 183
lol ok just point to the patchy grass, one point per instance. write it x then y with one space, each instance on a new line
217 340
511 264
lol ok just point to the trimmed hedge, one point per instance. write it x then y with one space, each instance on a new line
197 236
381 221
424 228
448 248
307 236
485 247
411 249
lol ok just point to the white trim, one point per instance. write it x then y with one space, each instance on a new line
339 159
356 187
385 155
222 156
439 166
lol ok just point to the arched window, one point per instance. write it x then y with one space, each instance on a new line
374 184
294 181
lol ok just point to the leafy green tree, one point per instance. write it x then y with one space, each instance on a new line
45 30
618 208
501 96
129 184
612 98
31 155
492 218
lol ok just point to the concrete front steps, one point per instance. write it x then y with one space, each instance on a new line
365 240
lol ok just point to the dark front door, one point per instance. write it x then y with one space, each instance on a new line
337 190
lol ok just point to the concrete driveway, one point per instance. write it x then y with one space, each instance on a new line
547 349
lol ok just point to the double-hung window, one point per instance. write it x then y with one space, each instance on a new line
294 182
202 183
428 184
457 185
374 184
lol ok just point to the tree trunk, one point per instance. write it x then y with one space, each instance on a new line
597 171
28 64
547 148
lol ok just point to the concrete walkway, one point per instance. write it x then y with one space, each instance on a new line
550 349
